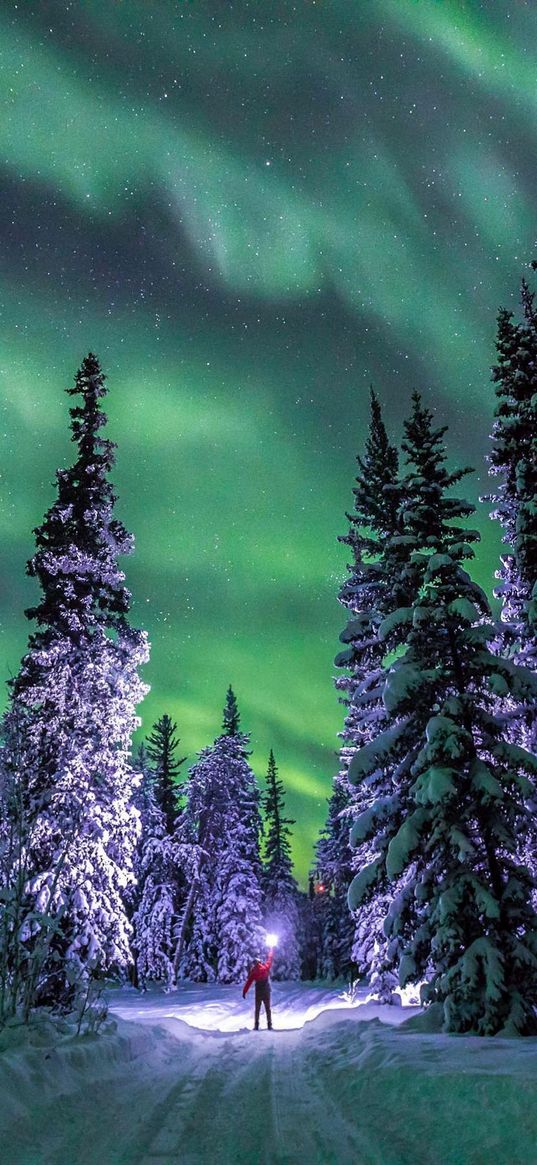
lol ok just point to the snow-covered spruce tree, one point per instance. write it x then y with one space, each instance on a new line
160 891
221 930
197 958
240 934
162 747
16 988
143 796
280 890
463 920
161 894
513 461
71 717
238 882
375 583
143 800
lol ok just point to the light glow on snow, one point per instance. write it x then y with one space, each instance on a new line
214 1007
272 940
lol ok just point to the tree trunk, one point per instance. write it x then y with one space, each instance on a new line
187 914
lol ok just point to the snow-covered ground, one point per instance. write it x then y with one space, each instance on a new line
182 1080
215 1008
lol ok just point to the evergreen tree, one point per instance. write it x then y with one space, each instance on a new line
143 797
231 720
160 896
160 892
279 885
143 800
162 747
154 915
222 931
20 968
199 959
513 461
375 584
72 705
452 813
238 887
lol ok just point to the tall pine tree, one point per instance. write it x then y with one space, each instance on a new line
162 747
143 797
455 804
231 719
368 594
280 888
161 896
513 461
221 930
73 705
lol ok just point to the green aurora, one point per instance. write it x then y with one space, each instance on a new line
251 211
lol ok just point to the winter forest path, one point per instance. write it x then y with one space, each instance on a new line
252 1105
249 1099
185 1081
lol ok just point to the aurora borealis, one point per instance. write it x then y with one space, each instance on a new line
250 212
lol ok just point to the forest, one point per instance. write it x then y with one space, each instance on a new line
117 864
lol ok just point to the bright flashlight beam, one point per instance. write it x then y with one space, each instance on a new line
272 940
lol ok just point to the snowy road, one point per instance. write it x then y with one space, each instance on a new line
248 1099
184 1081
250 1106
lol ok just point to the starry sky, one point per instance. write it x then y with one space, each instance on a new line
251 210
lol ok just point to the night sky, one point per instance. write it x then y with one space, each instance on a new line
250 212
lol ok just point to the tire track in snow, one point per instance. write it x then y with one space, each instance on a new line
347 1143
306 1127
218 1115
162 1137
249 1100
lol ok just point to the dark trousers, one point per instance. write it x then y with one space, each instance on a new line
262 996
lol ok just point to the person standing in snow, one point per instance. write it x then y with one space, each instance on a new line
260 975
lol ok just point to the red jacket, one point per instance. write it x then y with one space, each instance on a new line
259 971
